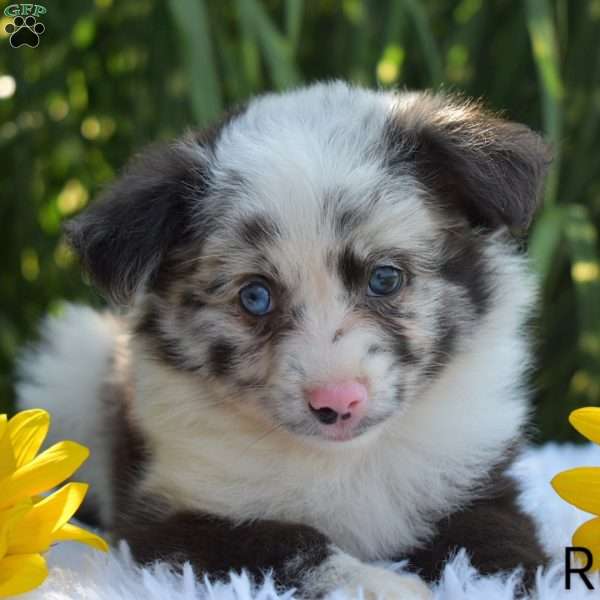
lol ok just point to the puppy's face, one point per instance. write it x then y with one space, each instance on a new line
326 318
321 259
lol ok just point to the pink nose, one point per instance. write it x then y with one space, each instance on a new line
338 400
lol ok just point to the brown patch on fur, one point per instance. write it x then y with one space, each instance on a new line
215 546
495 532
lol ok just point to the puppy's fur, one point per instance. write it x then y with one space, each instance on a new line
203 444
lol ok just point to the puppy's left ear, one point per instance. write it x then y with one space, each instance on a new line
125 236
488 169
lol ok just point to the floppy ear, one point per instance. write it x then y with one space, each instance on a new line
124 236
489 169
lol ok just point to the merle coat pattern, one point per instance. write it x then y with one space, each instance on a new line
204 448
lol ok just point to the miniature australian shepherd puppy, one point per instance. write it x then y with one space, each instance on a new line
319 351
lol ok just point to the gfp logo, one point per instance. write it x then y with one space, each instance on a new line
25 30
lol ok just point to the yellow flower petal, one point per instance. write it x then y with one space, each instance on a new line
43 473
588 536
580 487
27 431
8 520
35 531
21 573
7 456
70 532
587 422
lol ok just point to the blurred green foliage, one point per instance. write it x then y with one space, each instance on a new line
110 76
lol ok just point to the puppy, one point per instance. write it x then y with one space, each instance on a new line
320 353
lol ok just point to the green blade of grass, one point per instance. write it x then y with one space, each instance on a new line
233 83
191 19
275 48
358 14
545 240
250 51
396 22
294 10
432 55
585 130
582 241
542 33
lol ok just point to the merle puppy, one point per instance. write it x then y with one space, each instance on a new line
319 355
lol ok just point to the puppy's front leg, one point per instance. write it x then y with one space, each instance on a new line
297 555
498 536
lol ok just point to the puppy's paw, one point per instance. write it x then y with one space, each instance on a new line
380 584
360 580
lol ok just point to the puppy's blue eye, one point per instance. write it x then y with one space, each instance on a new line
385 281
255 298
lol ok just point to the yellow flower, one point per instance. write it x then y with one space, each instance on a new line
581 486
30 524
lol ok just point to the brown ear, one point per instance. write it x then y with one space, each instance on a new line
123 237
490 169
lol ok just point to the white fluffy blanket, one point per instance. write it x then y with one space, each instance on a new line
77 573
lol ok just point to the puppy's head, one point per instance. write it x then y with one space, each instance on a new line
319 259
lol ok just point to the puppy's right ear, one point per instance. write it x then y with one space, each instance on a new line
123 238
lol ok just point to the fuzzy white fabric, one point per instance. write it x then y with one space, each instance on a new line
80 574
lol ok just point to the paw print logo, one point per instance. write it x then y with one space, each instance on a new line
25 32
